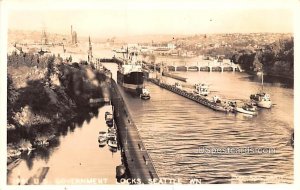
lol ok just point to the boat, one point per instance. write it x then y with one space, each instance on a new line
251 106
111 136
120 171
108 116
130 75
113 143
201 89
102 143
145 95
177 85
112 130
102 136
110 123
246 110
262 99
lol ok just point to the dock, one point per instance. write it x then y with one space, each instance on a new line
199 99
138 161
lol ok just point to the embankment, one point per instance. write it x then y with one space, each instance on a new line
137 159
44 93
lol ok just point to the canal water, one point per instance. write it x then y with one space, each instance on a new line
75 159
175 130
189 141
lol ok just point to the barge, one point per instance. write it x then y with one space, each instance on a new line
215 105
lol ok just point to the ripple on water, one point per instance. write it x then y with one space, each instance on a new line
173 128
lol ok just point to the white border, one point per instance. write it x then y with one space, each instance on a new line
8 5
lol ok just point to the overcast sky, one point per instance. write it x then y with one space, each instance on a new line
111 18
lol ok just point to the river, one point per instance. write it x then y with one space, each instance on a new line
176 130
76 158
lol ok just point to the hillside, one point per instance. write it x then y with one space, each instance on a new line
276 59
44 93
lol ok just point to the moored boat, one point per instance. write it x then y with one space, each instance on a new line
108 116
113 143
102 136
112 130
111 136
262 99
246 110
145 95
102 143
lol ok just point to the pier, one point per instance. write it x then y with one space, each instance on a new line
138 161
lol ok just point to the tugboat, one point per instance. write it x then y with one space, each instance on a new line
262 99
145 95
201 89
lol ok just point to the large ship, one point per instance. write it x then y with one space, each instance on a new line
130 74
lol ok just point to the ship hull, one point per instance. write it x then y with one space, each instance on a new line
132 82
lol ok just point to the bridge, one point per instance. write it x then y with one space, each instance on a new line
207 67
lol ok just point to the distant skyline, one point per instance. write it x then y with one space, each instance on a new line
109 21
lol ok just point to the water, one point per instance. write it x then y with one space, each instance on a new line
76 159
174 129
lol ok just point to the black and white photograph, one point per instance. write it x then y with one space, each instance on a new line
148 92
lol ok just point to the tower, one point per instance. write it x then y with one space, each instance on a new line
44 39
90 52
73 36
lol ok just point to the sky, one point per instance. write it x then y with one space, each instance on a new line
123 18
